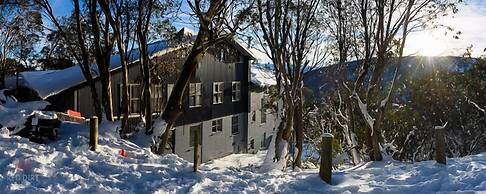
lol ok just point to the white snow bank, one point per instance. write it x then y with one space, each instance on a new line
271 163
14 114
67 166
262 76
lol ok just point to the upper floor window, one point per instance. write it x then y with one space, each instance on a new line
235 127
217 92
217 125
194 94
236 91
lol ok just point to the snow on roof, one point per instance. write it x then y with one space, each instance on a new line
49 83
262 76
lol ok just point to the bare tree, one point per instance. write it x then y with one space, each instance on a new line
395 18
307 53
145 9
289 34
103 48
83 58
121 22
340 23
21 30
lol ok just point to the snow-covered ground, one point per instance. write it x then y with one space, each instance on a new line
67 166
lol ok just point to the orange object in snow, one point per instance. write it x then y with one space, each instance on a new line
123 153
73 113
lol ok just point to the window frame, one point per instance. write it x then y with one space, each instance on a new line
218 94
217 125
197 94
235 93
233 124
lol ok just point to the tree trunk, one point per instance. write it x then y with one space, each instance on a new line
2 75
102 56
125 104
299 129
146 94
350 134
374 104
174 106
107 96
85 65
142 29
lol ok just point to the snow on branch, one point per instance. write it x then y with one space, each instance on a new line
440 127
475 105
364 110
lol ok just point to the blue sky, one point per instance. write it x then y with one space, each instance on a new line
65 7
470 20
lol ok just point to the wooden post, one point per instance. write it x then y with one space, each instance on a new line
196 150
440 155
93 133
325 170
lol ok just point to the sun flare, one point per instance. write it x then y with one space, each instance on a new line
426 45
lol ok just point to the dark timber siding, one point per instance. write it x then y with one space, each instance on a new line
211 70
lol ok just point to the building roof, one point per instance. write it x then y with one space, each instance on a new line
49 83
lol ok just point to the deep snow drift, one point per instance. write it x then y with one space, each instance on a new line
68 166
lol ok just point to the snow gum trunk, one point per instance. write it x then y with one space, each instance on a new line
299 129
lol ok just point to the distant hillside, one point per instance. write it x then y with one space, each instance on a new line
324 79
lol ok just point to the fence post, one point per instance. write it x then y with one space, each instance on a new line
440 155
93 133
196 150
325 169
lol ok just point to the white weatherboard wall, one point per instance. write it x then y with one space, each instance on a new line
214 145
256 129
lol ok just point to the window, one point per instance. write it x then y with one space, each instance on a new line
157 97
134 95
235 127
236 93
217 125
194 94
217 92
253 115
192 134
263 113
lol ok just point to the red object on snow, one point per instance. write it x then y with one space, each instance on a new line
73 113
123 153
